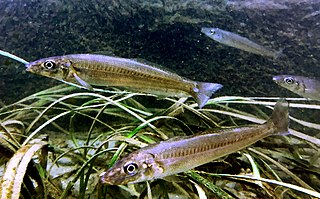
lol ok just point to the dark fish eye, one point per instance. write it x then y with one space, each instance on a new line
212 32
49 64
130 168
289 80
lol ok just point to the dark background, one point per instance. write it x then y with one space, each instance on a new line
166 33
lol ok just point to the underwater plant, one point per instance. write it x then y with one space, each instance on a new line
57 142
87 132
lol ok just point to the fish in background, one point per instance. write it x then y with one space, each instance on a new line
101 70
303 86
237 41
182 153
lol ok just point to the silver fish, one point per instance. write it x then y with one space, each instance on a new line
237 41
303 86
180 154
100 70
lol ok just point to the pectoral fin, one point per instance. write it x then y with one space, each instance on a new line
82 82
73 73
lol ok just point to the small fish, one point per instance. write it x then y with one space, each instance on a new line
303 86
237 41
180 154
101 70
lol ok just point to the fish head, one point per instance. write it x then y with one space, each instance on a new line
289 82
213 33
53 67
137 167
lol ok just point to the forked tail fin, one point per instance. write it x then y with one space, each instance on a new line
203 92
280 117
278 54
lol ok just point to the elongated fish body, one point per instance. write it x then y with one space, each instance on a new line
180 154
303 86
100 70
237 41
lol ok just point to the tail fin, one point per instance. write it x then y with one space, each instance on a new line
280 117
278 54
203 92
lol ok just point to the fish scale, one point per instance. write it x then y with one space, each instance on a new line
186 152
100 70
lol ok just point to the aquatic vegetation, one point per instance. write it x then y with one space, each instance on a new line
14 57
87 132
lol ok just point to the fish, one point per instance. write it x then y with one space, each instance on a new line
131 74
303 86
237 41
179 154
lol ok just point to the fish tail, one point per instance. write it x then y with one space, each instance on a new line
280 117
278 54
203 92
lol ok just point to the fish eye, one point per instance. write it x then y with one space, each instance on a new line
289 80
130 168
212 32
49 64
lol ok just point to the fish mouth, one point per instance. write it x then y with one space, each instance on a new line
111 180
28 67
103 178
205 30
107 178
276 79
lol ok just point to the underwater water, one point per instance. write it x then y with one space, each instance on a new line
167 33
